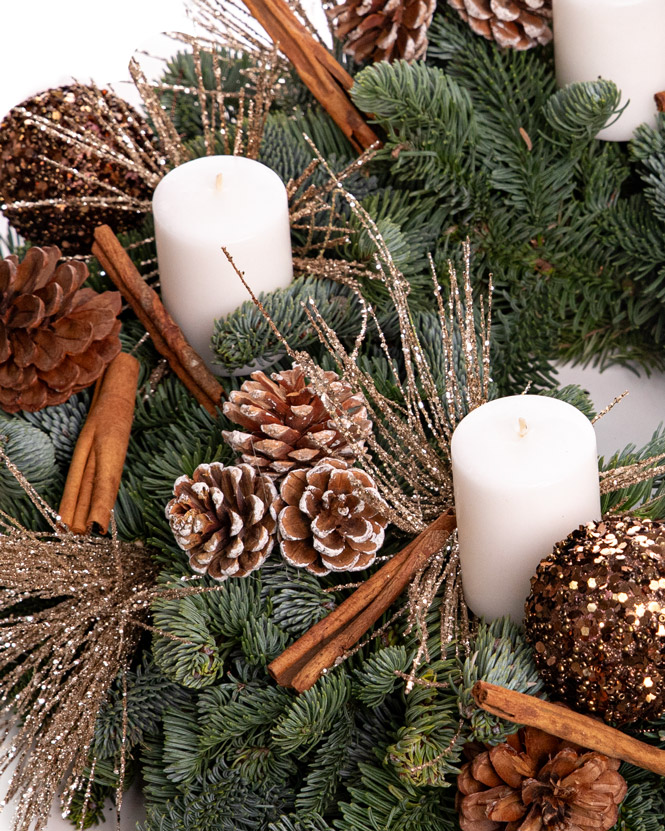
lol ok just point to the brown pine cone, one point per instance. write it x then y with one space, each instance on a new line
383 30
224 519
55 337
324 523
536 782
520 24
289 424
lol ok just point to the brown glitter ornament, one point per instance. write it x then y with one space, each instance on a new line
54 189
519 24
291 426
383 30
55 337
223 518
536 782
330 518
596 619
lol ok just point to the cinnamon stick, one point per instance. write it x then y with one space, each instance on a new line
303 663
99 456
659 98
320 72
165 333
568 725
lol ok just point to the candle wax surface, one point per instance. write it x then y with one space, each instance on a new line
617 40
199 207
516 495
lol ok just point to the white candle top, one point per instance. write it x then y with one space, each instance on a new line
199 207
229 196
522 440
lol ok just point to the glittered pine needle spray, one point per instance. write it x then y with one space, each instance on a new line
71 612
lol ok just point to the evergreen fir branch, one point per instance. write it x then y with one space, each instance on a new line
378 677
224 801
580 110
428 746
318 793
312 714
245 336
148 694
182 759
646 498
297 598
576 396
499 655
384 801
62 424
262 641
312 822
188 652
648 148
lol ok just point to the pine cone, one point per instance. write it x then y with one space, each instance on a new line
223 518
383 30
324 522
520 24
55 338
536 782
290 425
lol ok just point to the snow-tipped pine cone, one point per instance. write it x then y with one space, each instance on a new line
537 782
519 24
330 518
223 518
55 337
287 423
383 30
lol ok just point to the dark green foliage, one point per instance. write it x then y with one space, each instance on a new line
62 424
500 656
575 395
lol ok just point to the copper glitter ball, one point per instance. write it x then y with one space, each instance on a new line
596 619
26 176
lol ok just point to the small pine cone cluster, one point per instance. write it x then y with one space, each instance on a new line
286 424
536 782
383 30
330 518
223 517
55 337
518 24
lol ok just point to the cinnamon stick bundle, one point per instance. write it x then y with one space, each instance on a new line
303 663
320 72
165 333
567 724
99 456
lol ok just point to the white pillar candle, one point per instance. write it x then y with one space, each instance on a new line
201 206
525 474
617 40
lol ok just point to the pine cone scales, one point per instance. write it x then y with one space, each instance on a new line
383 29
223 518
520 24
289 424
55 338
536 782
325 522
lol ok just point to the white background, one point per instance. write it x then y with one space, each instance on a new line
48 43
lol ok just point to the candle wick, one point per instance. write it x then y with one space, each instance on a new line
218 181
524 428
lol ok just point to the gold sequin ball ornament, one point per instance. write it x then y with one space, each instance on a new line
65 166
596 619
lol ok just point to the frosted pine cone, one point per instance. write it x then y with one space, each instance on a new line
536 782
325 522
55 337
383 30
289 425
223 518
520 24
